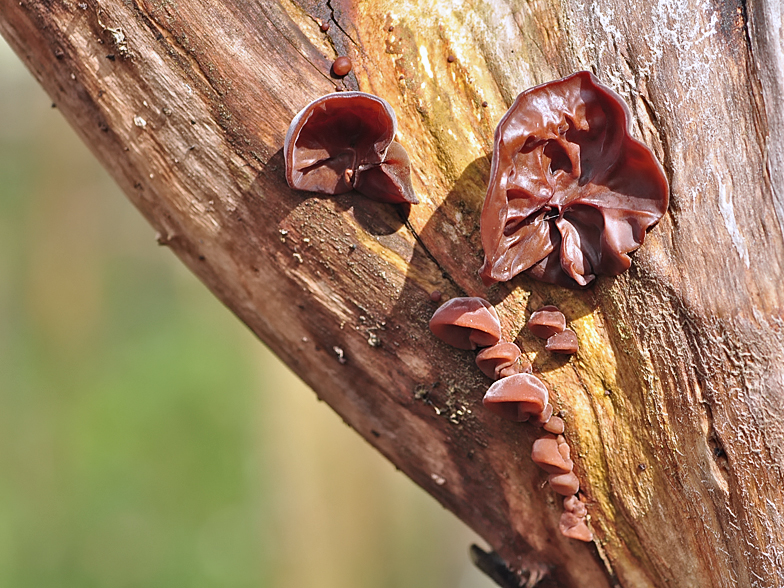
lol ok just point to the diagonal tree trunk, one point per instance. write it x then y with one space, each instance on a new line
674 405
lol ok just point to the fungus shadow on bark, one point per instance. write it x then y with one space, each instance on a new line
377 218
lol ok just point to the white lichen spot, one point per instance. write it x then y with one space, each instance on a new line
139 122
425 61
440 480
727 209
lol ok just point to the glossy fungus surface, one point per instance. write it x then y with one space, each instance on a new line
564 342
547 454
500 360
389 181
543 417
555 426
344 141
572 523
573 505
517 397
466 323
564 484
571 192
546 322
341 66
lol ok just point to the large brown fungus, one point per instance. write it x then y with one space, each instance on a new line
344 141
571 192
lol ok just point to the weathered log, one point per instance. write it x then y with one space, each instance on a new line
673 407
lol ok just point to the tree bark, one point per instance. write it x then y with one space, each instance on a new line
674 406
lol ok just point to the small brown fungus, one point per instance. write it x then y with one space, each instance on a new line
451 59
574 527
500 360
541 419
341 66
564 484
466 323
573 505
572 522
546 322
324 27
517 397
435 296
344 141
547 454
571 192
555 426
564 342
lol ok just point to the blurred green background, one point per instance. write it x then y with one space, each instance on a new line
146 436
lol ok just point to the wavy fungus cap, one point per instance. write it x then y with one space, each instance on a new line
344 141
500 360
466 323
571 191
517 397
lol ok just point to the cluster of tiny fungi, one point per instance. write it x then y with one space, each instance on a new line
517 394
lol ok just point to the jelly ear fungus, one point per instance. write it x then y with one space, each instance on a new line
345 141
571 192
467 323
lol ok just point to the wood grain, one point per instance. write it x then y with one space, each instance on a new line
673 406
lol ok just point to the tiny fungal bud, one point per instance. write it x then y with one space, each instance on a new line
341 66
451 59
547 454
564 484
324 26
435 296
564 342
555 426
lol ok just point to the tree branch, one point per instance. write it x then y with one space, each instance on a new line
673 407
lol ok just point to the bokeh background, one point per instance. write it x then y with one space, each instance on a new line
147 439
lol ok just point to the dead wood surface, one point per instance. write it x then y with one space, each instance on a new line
674 406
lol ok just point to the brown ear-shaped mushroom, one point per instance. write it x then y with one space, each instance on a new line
555 426
547 454
543 417
572 522
517 397
564 342
466 323
571 192
546 322
500 360
339 138
575 527
564 484
389 181
573 505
